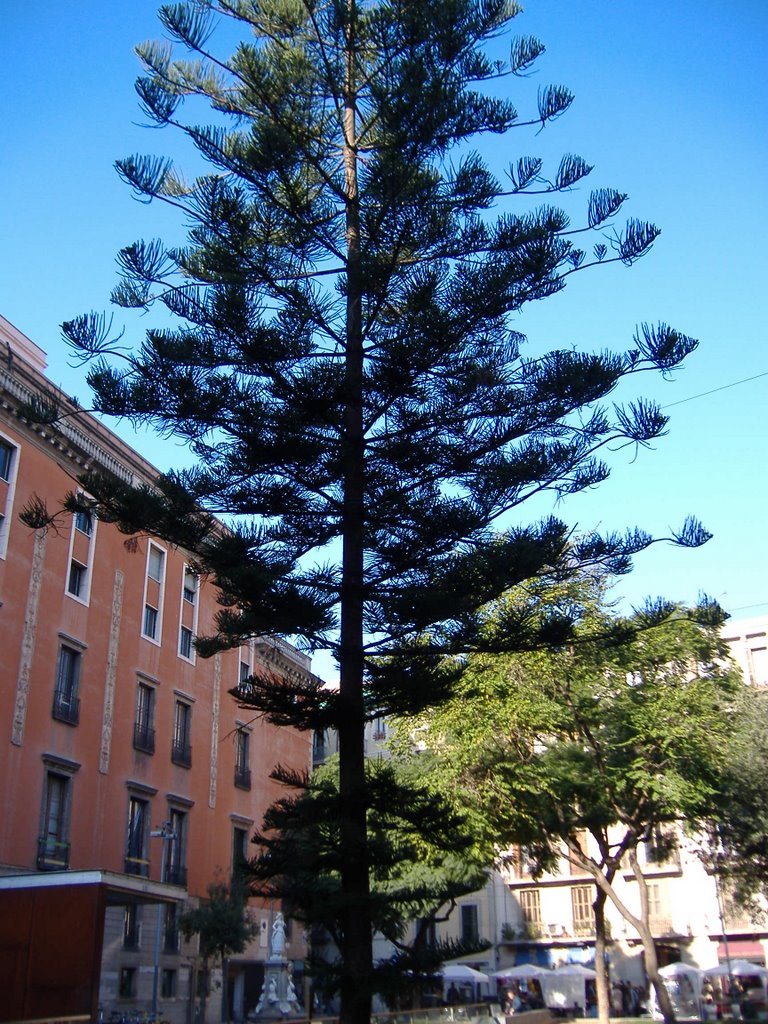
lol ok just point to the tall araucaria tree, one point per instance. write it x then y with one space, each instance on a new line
337 346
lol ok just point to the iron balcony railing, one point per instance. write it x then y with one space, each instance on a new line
143 738
66 708
52 854
181 754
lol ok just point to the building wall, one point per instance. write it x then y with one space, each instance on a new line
71 758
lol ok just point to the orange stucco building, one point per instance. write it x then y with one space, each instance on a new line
112 728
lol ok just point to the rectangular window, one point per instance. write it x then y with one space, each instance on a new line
189 590
154 594
582 897
82 543
654 901
470 931
185 642
176 863
530 904
150 622
155 563
77 578
132 926
7 452
53 845
171 929
127 988
168 987
242 759
66 703
136 862
143 727
181 752
239 850
84 522
8 468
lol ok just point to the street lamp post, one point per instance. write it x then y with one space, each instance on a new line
166 833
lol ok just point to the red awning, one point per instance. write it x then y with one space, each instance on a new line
744 949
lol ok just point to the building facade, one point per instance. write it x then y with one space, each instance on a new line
122 752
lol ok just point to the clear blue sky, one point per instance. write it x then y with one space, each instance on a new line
670 107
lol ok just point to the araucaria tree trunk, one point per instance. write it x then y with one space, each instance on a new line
339 349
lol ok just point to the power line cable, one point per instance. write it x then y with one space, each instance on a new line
724 387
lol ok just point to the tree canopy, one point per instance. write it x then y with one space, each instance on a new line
740 831
613 737
424 857
338 344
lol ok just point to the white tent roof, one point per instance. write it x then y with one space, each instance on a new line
739 968
521 971
679 968
461 972
574 971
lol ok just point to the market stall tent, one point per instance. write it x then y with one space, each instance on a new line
566 986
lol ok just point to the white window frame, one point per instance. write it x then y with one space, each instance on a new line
188 576
157 638
7 509
84 594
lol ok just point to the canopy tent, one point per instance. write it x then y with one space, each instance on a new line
520 971
738 968
566 986
461 972
469 981
683 983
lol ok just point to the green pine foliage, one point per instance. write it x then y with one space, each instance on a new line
336 342
424 856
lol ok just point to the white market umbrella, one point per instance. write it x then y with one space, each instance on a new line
673 970
521 971
739 968
460 972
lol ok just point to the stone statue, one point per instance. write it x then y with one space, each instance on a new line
278 936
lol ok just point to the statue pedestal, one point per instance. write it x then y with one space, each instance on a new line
278 996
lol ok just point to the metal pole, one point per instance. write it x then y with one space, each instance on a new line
721 911
166 834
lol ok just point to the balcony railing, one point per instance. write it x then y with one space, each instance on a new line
143 738
242 777
176 874
52 854
583 929
181 754
66 708
136 866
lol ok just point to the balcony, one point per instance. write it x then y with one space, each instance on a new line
52 854
242 777
143 738
181 754
66 708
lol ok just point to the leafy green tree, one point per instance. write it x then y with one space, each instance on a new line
337 344
223 925
424 855
615 737
740 829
